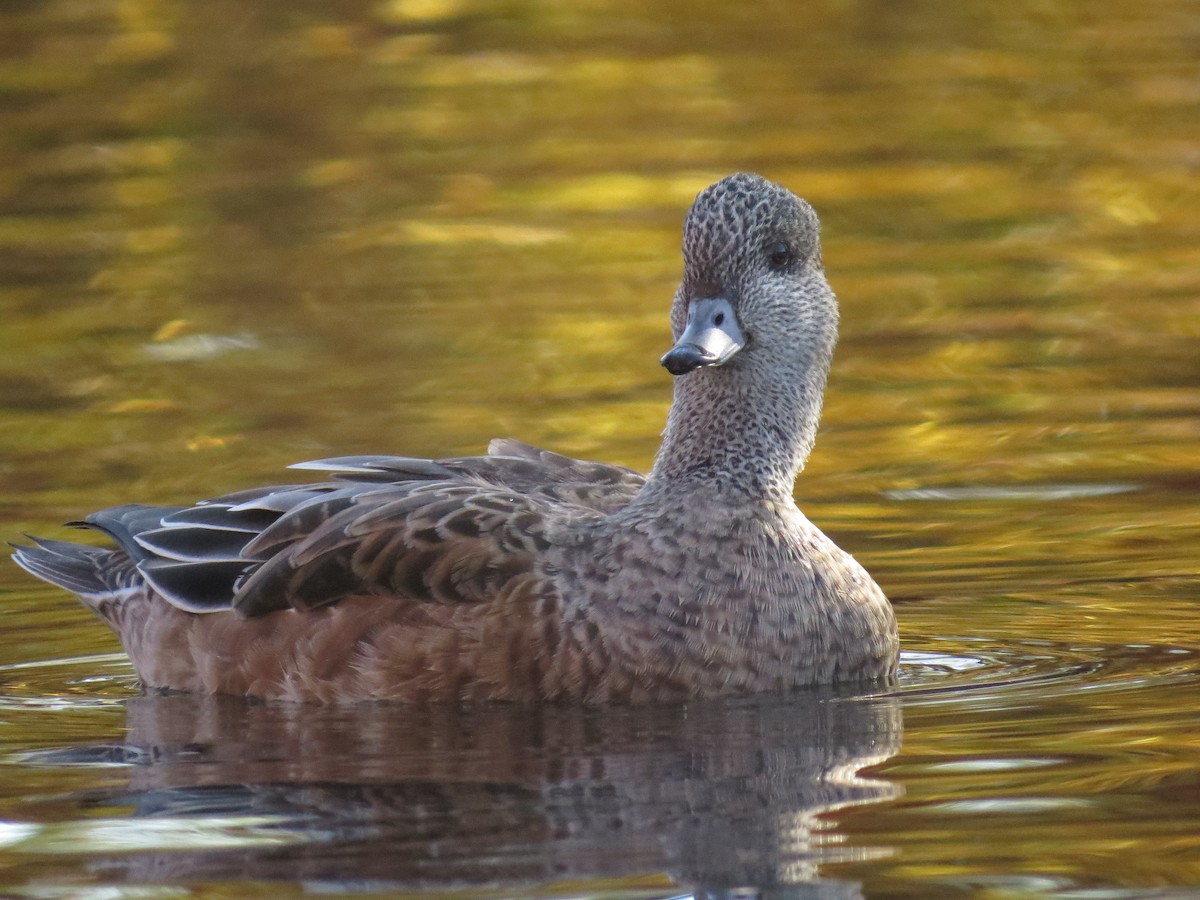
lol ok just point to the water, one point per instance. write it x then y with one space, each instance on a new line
234 238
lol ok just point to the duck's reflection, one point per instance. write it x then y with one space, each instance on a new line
714 794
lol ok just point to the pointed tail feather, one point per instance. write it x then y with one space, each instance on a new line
90 572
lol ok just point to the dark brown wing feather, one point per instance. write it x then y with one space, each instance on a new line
444 531
426 541
520 467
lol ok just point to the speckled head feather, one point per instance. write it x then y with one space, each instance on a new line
732 219
755 246
524 575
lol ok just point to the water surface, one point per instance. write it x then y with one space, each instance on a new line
234 238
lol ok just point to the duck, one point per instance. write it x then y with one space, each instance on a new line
523 575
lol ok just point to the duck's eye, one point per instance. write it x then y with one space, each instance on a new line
779 256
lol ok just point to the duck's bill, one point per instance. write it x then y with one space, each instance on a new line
711 337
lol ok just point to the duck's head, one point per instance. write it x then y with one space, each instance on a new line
753 291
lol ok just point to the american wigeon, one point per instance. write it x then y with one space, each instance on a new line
524 575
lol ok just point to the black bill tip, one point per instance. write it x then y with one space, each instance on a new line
686 357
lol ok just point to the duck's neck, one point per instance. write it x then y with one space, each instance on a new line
740 432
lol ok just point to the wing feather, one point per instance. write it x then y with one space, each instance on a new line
445 531
441 543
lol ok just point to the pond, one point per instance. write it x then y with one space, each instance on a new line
234 236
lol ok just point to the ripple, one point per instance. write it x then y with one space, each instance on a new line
1019 667
75 682
927 674
1013 492
128 835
